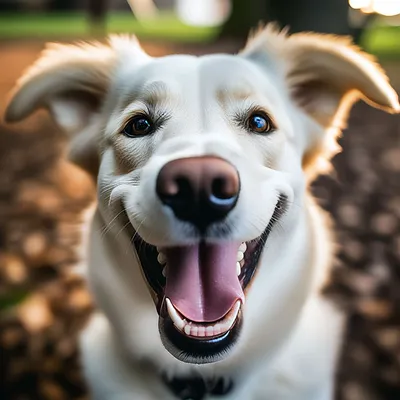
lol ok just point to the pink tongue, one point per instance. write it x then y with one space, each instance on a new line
202 282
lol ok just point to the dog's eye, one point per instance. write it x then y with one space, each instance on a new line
260 123
138 126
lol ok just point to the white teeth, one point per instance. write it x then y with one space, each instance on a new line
193 329
164 271
161 258
240 257
238 268
176 319
217 329
229 320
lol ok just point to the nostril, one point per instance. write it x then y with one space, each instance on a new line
223 193
170 188
175 189
223 188
184 192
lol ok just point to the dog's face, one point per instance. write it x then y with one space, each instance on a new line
200 155
204 161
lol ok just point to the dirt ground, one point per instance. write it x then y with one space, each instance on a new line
44 304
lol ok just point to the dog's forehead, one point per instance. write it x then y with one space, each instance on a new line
211 65
216 73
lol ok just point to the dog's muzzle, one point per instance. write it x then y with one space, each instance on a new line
200 287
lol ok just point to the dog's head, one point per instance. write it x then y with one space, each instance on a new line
205 161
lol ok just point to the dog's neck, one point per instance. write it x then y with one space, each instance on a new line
192 386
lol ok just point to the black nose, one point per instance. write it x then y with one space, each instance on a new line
200 190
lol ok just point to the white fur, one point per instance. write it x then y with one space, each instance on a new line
291 335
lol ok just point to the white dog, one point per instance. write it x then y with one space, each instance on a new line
207 250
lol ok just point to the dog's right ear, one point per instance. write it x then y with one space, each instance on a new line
71 82
324 75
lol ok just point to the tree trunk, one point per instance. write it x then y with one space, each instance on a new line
97 16
245 16
325 16
62 5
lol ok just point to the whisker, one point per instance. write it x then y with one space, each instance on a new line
108 227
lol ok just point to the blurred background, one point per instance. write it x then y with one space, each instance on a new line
43 301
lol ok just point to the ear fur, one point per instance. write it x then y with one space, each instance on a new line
321 69
76 75
71 81
325 75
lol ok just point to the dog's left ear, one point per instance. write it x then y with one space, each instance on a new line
320 70
324 75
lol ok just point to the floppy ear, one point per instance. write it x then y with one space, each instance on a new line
324 74
320 70
71 81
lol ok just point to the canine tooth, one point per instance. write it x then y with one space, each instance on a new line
238 268
161 258
164 271
243 247
227 324
233 316
176 319
187 329
240 256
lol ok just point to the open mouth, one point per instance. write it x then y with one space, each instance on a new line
199 291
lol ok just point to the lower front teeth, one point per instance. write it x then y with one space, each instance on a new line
193 329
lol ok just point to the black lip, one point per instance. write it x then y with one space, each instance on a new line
197 351
182 347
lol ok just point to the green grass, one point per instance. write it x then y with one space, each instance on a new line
48 26
383 41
